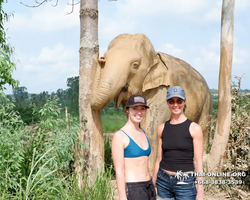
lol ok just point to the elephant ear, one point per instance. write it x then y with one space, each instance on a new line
157 75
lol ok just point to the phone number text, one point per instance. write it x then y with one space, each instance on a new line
219 182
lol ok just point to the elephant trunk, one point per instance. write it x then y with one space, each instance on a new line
95 100
106 85
101 96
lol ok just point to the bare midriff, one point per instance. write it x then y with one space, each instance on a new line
173 173
136 169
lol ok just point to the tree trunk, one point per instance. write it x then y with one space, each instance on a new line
224 93
88 160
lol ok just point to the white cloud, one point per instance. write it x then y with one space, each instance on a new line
154 7
114 28
171 49
206 60
58 53
48 70
210 56
45 18
240 56
215 42
188 10
213 15
128 16
241 5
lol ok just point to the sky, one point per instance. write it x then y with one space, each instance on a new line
46 39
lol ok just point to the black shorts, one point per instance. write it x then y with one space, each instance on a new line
140 190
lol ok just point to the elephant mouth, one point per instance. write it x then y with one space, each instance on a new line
121 97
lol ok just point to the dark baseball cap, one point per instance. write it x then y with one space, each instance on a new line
176 91
136 100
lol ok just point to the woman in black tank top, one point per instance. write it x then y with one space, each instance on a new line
180 150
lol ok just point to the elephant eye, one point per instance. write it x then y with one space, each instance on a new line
135 65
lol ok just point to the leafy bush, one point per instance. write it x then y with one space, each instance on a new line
36 162
215 107
18 145
237 156
11 135
113 120
108 156
238 147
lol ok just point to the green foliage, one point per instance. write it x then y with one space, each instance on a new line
73 94
20 95
113 120
102 189
25 102
108 156
10 146
21 101
213 91
6 51
9 118
36 161
237 156
239 139
62 98
40 99
18 143
26 114
215 107
246 91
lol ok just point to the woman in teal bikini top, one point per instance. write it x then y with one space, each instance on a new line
130 151
133 150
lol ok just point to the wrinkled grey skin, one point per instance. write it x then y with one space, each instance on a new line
131 66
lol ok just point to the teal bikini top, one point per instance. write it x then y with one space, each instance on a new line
133 150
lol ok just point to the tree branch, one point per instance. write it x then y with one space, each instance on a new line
35 6
56 3
72 6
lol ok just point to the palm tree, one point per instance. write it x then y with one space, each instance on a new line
178 174
185 176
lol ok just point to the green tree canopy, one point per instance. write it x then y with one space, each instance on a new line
20 95
73 94
6 51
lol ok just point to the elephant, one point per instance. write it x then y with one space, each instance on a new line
132 66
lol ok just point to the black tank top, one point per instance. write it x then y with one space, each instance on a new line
177 147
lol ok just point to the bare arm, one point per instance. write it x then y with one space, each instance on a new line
197 135
118 160
159 152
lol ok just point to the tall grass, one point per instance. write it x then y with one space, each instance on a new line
36 162
108 157
113 120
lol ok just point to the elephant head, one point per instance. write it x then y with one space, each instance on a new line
129 66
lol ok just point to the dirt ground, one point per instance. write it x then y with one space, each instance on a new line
216 196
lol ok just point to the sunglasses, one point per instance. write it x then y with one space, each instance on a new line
178 101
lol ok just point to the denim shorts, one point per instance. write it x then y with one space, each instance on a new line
140 190
168 189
